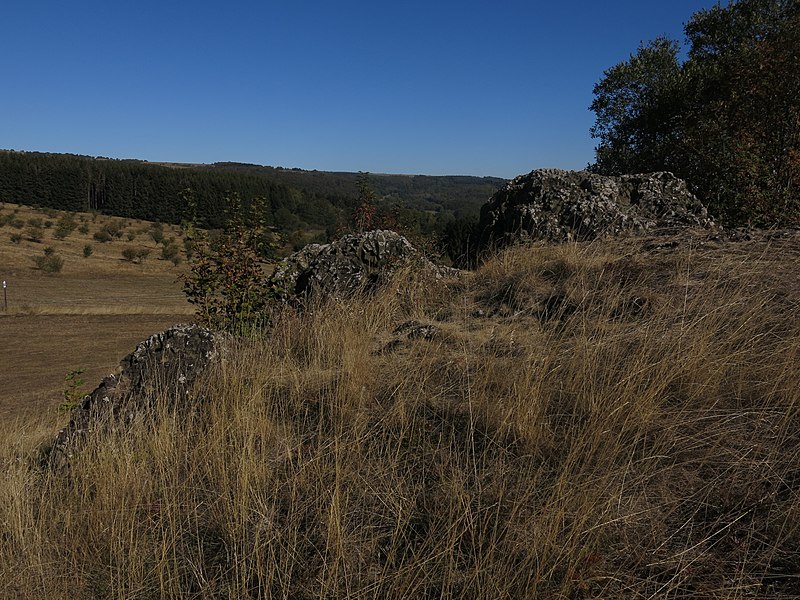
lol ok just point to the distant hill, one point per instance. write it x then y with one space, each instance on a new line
456 193
297 200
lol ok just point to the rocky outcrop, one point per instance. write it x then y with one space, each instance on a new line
558 206
162 369
356 262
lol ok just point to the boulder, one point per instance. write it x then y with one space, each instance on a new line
559 206
355 262
162 369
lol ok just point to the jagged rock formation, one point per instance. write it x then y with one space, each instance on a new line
352 263
556 205
161 369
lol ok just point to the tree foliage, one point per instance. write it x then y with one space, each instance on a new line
227 282
727 118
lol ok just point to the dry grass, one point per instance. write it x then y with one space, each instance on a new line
85 317
591 421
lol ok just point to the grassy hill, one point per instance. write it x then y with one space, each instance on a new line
608 420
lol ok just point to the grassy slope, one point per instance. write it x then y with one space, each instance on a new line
85 317
592 421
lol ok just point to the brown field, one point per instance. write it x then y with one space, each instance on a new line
88 316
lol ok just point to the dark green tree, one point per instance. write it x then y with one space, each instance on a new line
727 118
637 104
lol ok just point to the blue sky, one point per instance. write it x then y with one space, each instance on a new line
478 88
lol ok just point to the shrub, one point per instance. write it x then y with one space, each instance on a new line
49 263
87 250
65 226
115 228
84 228
35 232
49 251
157 233
16 238
169 250
135 255
72 393
227 283
102 236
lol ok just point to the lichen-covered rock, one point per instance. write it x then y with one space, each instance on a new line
558 206
356 262
162 369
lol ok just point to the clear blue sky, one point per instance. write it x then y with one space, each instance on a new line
478 88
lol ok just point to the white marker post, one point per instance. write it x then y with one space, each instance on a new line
5 296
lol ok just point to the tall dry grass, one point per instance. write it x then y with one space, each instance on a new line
589 422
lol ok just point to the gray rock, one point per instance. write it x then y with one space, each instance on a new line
356 262
559 206
162 369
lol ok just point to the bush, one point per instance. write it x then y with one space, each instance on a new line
226 282
157 233
169 251
135 255
65 226
102 236
49 263
16 238
84 228
115 228
72 390
87 250
35 232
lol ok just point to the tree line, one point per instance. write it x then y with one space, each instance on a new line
142 190
305 206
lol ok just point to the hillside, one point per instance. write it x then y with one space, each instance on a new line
303 205
463 195
607 419
89 312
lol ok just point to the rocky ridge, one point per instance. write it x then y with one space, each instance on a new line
559 206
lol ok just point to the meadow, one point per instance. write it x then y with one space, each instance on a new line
90 313
617 419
